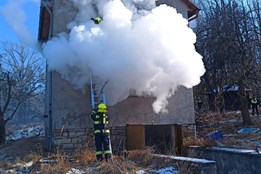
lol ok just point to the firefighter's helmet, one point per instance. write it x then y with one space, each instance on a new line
102 107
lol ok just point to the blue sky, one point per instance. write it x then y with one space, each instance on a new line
30 8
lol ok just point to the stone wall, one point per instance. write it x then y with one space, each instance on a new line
79 138
73 139
118 139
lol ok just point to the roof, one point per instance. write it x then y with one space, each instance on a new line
190 5
193 10
44 25
45 18
44 21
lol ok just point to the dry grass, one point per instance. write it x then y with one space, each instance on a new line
61 165
133 161
59 168
118 166
85 160
34 157
191 141
5 165
84 157
144 157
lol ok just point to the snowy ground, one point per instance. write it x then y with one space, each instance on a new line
33 131
166 170
25 169
38 131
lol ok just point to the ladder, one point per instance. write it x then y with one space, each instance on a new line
97 90
98 96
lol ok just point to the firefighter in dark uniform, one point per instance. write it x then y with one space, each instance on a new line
101 132
97 20
254 103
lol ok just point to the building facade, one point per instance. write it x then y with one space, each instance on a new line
133 122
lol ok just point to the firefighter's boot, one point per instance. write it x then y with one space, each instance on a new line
108 157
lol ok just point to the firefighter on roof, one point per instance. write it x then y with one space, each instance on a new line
97 20
101 132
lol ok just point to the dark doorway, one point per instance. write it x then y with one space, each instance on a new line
158 136
166 139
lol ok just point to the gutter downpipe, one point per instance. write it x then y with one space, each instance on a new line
49 81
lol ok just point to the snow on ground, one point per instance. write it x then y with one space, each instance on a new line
26 133
166 170
24 168
75 171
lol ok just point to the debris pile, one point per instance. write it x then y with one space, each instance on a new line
230 128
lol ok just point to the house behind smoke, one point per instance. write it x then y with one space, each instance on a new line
133 122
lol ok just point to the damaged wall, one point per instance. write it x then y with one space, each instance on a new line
138 110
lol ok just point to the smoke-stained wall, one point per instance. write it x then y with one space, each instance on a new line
138 110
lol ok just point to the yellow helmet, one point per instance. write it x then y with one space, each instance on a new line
102 107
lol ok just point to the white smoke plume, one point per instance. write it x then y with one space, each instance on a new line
136 46
14 14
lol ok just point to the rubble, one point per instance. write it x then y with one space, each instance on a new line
230 124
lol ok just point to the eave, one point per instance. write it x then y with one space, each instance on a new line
44 24
193 10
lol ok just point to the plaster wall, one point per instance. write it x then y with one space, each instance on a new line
71 106
64 12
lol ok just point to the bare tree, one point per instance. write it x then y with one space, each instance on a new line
21 78
229 40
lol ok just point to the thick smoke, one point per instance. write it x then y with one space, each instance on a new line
14 14
137 46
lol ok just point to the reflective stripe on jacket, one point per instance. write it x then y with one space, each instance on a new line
101 121
254 100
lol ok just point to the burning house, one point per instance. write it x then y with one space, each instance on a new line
148 104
